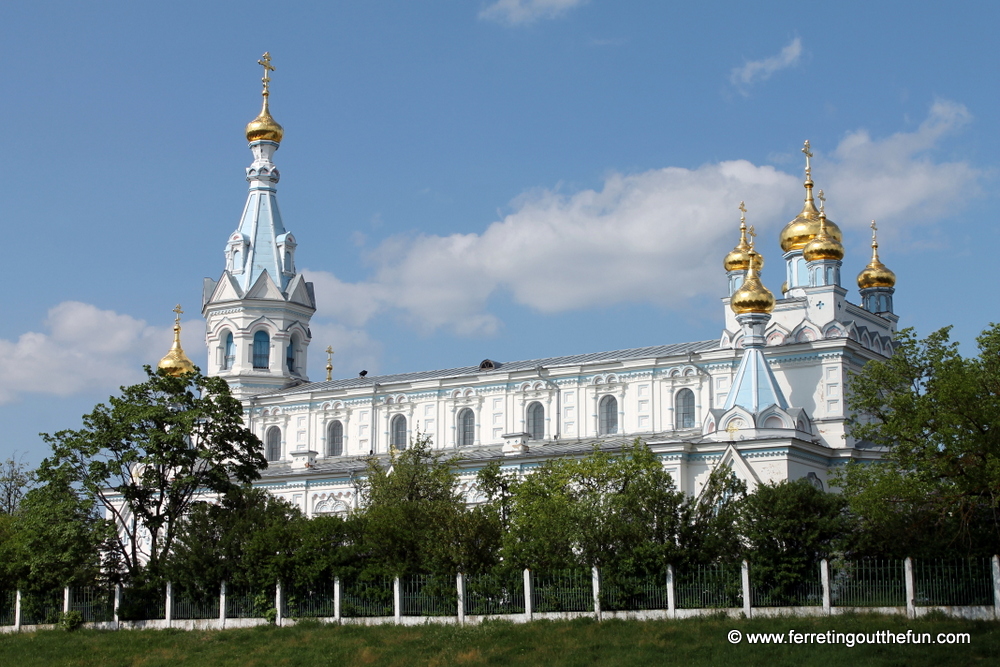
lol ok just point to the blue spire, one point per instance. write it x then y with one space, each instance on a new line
754 387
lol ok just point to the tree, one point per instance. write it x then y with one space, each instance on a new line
151 453
15 480
937 414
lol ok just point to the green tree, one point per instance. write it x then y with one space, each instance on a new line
937 414
151 453
15 481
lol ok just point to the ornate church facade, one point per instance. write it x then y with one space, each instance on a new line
766 397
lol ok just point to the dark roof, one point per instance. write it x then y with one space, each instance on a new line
504 367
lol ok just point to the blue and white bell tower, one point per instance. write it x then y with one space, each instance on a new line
258 312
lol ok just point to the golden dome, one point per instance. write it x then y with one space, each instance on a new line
805 227
738 258
823 246
752 296
876 274
264 127
176 363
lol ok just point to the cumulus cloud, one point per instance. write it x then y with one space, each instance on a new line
761 70
654 237
521 12
85 348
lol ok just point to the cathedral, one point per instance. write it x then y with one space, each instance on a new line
766 398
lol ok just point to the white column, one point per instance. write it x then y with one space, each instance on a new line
671 594
745 571
222 605
66 600
169 604
996 587
595 584
527 594
824 575
118 604
911 607
277 603
397 600
460 587
336 599
17 611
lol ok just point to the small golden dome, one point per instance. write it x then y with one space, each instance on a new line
805 227
876 274
738 258
264 127
176 363
752 296
823 246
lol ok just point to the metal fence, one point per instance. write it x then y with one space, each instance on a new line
8 600
367 598
868 583
317 601
185 607
41 607
428 595
248 603
965 581
562 590
715 586
489 594
633 593
96 605
143 604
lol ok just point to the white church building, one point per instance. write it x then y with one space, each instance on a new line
766 397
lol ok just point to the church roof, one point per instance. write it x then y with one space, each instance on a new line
505 367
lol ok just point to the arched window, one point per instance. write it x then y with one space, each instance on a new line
261 350
535 421
228 352
288 261
273 440
397 432
608 416
684 407
466 427
335 439
290 355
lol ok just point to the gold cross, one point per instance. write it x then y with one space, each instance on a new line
265 62
177 309
743 211
329 362
808 151
822 201
874 230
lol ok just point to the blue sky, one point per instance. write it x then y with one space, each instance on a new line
474 179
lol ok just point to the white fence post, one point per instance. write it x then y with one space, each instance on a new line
397 600
278 599
336 599
222 605
527 594
66 600
118 605
671 595
169 605
911 605
460 587
824 576
17 611
595 584
996 587
745 572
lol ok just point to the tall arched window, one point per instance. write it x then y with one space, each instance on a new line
335 439
397 432
607 416
273 440
228 352
466 426
290 354
684 408
261 350
534 421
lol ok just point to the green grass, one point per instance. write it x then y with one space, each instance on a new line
582 642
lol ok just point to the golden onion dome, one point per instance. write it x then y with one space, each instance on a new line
805 227
823 246
176 363
738 258
876 274
752 296
264 127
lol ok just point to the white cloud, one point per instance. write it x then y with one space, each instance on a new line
520 12
653 237
761 70
87 349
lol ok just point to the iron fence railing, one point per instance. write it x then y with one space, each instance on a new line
316 601
633 592
868 583
562 590
8 602
186 607
96 605
428 595
41 607
493 593
247 603
714 586
367 598
953 582
143 604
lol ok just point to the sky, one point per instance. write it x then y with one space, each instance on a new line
504 179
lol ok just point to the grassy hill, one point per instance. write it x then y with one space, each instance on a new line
691 643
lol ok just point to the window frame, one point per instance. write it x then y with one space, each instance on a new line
535 423
607 412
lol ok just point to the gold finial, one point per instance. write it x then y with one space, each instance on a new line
738 258
808 151
743 213
823 245
175 362
753 235
876 274
265 62
329 363
805 227
822 202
